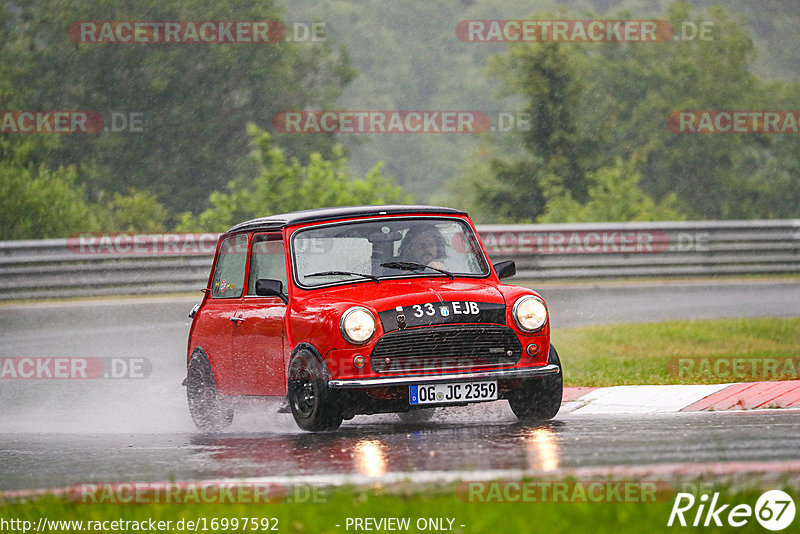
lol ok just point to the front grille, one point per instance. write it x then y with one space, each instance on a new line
445 348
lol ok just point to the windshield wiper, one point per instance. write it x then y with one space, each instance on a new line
347 273
414 266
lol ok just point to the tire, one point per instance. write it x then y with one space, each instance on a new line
209 410
413 417
539 399
315 408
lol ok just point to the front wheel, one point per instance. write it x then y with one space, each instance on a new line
209 410
314 406
539 399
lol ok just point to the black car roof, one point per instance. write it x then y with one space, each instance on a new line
274 222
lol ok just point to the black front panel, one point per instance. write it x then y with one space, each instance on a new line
445 348
431 313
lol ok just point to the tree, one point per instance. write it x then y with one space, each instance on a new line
138 211
46 201
193 100
598 104
548 76
284 185
43 202
613 195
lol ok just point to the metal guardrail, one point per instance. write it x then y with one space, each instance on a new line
648 249
97 265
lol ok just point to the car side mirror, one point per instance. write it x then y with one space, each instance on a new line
505 269
267 287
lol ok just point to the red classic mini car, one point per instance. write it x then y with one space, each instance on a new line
364 310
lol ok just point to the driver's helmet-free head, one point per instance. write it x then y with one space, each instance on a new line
423 243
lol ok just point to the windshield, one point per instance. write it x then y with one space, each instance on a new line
392 247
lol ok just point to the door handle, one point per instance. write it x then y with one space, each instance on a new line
237 320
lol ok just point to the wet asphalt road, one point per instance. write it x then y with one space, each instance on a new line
59 432
480 439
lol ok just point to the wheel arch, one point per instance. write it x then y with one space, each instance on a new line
201 353
308 347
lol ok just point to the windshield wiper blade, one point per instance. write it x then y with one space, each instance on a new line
414 266
346 273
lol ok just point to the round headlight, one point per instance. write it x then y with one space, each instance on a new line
357 325
530 313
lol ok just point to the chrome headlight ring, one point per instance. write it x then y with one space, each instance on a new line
357 325
530 313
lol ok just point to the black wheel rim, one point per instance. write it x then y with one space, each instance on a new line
305 395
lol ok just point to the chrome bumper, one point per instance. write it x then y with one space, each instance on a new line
501 374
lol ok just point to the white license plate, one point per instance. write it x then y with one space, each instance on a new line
456 392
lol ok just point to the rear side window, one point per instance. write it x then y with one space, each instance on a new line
228 280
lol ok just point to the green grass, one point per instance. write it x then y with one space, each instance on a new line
322 517
640 353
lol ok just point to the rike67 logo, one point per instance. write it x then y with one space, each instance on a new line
774 510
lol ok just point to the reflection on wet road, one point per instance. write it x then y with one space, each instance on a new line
477 439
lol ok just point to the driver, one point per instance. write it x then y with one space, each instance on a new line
424 244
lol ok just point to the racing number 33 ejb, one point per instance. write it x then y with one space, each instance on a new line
364 310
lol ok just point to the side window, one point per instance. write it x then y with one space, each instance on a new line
267 260
228 280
